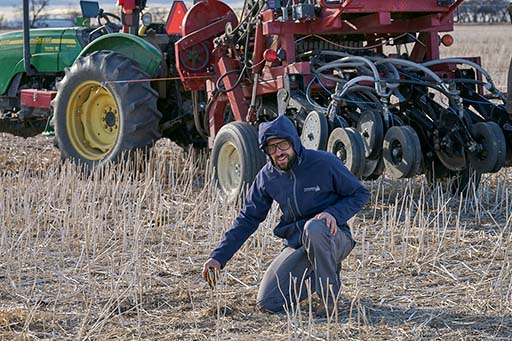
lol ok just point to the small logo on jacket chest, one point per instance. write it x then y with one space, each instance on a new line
312 189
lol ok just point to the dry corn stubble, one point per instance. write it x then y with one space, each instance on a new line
119 255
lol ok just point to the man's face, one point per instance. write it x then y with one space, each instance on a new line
281 152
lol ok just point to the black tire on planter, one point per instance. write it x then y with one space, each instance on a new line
492 158
373 169
402 152
127 109
347 144
416 169
236 159
371 127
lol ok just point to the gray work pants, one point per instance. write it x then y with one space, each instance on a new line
319 259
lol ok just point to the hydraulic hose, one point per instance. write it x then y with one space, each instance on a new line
490 84
417 66
461 61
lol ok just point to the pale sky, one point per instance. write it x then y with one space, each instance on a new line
9 8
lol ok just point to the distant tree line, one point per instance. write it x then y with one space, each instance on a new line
484 11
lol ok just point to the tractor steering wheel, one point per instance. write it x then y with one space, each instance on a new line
108 26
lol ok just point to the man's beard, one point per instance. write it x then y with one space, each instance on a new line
288 165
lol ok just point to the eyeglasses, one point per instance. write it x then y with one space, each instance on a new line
272 148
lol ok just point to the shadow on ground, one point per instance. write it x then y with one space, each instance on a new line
374 314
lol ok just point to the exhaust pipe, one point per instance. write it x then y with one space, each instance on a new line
26 39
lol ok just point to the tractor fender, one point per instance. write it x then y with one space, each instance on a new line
137 49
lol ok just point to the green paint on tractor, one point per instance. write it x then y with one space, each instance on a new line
52 50
144 53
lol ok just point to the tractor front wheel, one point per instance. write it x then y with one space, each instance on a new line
103 111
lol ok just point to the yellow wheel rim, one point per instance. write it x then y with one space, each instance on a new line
229 168
92 120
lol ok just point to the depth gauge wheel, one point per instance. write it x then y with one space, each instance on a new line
315 131
373 169
402 152
371 127
348 146
97 121
491 156
236 158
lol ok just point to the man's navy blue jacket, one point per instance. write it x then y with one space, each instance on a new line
317 182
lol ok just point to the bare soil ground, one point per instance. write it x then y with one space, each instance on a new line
118 255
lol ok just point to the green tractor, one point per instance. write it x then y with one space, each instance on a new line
94 85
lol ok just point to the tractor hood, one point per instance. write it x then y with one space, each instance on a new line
52 50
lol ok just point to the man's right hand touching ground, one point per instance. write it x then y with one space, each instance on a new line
211 269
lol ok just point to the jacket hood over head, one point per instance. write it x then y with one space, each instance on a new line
282 127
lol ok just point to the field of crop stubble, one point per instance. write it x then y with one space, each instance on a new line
119 256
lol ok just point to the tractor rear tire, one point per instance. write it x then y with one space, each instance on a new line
236 159
100 116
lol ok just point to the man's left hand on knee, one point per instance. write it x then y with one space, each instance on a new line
330 221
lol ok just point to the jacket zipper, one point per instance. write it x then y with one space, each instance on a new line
296 204
291 209
295 194
290 205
